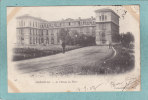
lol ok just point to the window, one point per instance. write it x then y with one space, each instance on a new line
103 34
36 24
47 32
33 40
100 18
22 38
42 40
42 32
30 31
33 31
33 24
30 40
105 17
30 23
47 40
52 40
104 26
22 23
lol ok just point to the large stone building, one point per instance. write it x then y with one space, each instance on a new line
36 31
107 26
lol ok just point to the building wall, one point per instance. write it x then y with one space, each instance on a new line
107 24
36 31
33 31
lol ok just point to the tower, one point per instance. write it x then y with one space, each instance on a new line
107 26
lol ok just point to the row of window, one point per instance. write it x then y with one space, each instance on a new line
20 38
34 32
58 24
103 17
38 32
21 23
41 40
45 32
102 26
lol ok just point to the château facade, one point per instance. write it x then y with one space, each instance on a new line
36 31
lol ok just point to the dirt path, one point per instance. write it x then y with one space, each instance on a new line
70 62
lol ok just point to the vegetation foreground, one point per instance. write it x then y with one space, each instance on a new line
123 62
29 53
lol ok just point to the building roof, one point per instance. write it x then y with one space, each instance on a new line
79 19
28 16
63 20
106 10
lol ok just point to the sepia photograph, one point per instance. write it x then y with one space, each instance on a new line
73 48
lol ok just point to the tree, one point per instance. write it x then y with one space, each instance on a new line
74 36
131 37
126 39
64 36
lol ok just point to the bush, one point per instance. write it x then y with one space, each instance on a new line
28 53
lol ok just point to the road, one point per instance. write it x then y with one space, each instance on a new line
71 62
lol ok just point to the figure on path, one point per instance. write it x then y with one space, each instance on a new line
63 46
110 45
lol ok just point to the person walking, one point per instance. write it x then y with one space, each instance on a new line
63 46
110 45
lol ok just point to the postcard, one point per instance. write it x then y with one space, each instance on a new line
73 48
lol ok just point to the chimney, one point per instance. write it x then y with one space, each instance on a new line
92 17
